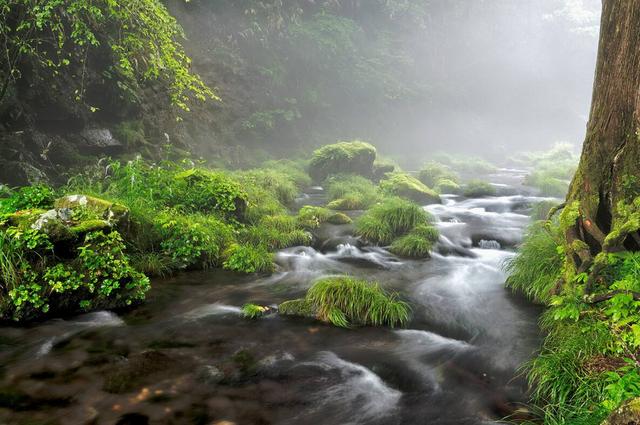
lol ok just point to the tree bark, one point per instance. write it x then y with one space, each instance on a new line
609 169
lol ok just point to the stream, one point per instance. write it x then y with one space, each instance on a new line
186 356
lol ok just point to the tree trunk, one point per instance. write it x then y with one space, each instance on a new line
594 219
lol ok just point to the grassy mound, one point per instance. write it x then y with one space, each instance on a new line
345 301
536 268
432 172
354 157
418 243
389 219
407 186
447 186
350 192
478 189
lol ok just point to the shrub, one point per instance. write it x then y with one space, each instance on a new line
478 189
416 244
548 185
204 191
433 171
406 186
537 266
540 210
37 283
354 157
194 240
350 192
277 183
248 259
389 219
343 301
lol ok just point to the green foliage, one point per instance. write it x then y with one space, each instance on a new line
389 219
547 184
277 183
38 196
139 39
540 210
354 157
432 172
248 259
344 300
407 186
447 186
537 266
478 188
350 192
100 277
465 164
418 243
253 311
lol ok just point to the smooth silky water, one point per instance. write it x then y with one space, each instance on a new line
187 355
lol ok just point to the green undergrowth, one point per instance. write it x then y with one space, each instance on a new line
156 218
588 363
434 172
406 186
345 301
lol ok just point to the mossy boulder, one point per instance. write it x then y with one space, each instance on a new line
447 186
354 157
627 414
300 308
479 189
206 191
407 186
58 224
339 218
99 208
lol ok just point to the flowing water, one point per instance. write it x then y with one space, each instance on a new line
187 356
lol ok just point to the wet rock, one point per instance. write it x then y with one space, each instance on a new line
133 419
300 307
209 375
131 374
627 414
100 141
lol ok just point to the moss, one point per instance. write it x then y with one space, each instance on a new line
25 218
300 307
354 157
102 208
478 188
628 413
569 215
579 245
407 186
349 192
339 218
447 186
89 226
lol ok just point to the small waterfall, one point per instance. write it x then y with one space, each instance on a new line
489 244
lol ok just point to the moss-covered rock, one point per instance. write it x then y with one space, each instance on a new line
447 186
339 218
478 189
407 186
354 157
299 307
101 208
627 414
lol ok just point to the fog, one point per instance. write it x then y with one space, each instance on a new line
477 76
511 75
